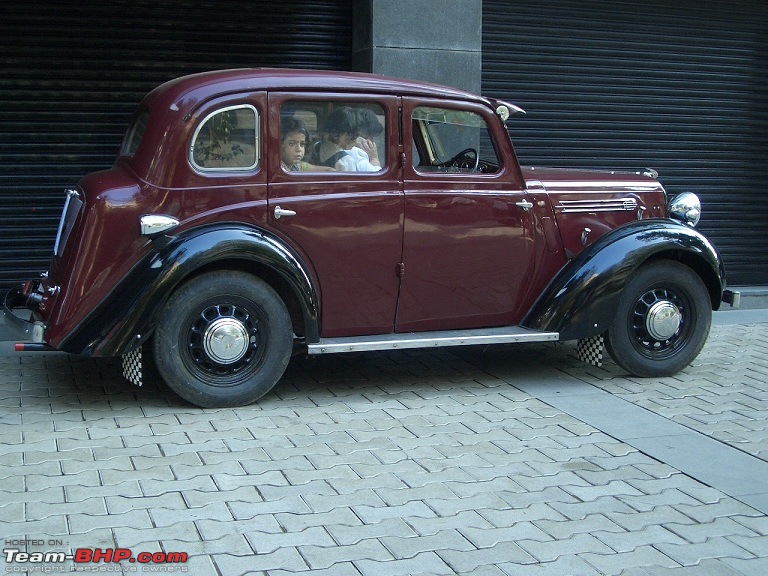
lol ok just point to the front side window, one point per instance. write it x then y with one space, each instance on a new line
329 136
452 141
227 140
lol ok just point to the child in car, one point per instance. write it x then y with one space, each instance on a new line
293 145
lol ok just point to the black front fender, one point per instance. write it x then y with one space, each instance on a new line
581 300
128 314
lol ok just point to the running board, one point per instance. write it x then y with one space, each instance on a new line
505 335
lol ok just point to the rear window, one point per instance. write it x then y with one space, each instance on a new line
226 140
134 135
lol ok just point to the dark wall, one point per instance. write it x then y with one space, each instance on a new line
72 73
681 87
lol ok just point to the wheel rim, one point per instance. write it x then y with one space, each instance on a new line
659 323
224 341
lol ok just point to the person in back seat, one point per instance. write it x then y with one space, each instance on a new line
340 134
365 151
293 144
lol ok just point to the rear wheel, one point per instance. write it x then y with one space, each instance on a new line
223 339
662 322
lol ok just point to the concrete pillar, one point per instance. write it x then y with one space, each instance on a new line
430 40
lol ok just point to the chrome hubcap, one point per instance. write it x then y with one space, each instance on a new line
663 320
226 340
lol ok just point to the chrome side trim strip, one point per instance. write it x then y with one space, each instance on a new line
505 335
611 205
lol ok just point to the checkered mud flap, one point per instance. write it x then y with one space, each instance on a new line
590 350
132 366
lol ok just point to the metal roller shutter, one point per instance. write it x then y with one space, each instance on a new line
72 74
681 87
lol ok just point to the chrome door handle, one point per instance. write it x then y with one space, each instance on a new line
280 212
525 205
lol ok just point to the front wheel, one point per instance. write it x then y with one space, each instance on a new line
662 321
223 339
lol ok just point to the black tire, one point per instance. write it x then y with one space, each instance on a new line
662 321
223 339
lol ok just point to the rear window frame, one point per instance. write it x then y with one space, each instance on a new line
227 169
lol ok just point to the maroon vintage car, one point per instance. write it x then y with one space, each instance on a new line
254 212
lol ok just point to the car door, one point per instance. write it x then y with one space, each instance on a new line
468 243
347 225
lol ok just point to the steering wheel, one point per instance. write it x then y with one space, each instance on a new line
466 159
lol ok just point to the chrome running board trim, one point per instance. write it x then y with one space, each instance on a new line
505 335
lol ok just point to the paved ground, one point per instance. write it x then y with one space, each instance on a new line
507 460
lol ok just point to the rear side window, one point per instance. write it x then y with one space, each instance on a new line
327 135
227 140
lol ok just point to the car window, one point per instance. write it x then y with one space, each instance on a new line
449 140
227 140
134 135
332 136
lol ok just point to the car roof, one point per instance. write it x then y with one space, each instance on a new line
188 91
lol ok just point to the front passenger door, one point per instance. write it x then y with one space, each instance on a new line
468 244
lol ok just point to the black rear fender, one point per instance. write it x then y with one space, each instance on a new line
127 316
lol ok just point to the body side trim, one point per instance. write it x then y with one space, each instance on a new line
504 335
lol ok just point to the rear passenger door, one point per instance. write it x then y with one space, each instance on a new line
346 224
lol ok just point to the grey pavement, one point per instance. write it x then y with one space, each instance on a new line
504 460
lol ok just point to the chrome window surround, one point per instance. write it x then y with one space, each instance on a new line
257 159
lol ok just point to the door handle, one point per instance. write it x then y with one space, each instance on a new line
280 212
525 205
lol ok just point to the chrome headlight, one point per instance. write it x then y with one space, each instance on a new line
686 207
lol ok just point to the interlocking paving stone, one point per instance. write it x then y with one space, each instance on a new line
347 534
435 462
283 559
322 557
423 563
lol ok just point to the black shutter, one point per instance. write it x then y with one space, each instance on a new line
681 87
72 74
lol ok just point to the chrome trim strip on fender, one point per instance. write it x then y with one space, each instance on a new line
505 335
611 205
